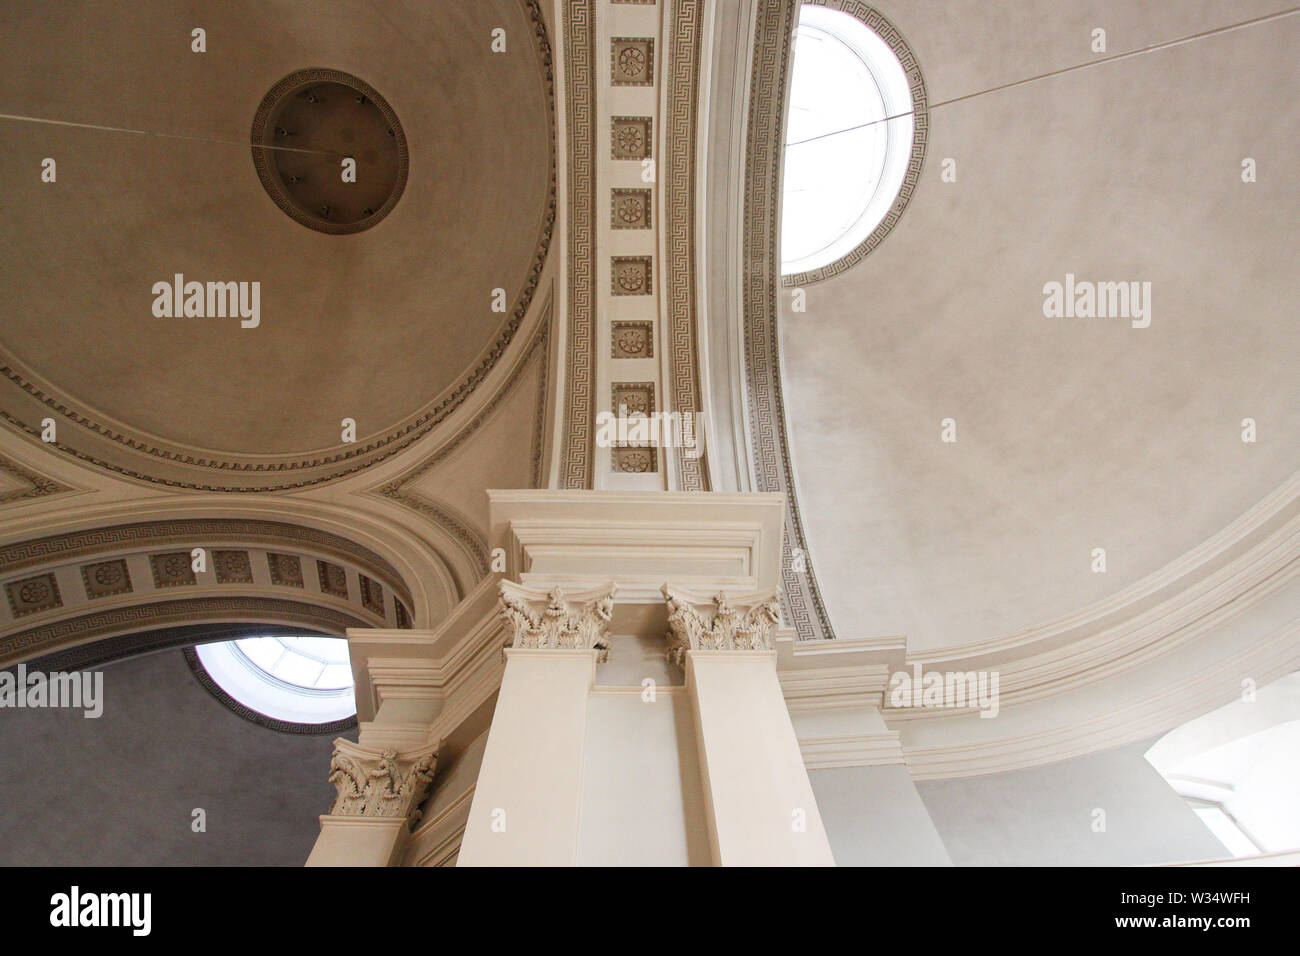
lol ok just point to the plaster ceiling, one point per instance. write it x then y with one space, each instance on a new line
1073 434
374 326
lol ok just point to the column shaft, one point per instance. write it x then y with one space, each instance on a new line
760 804
529 792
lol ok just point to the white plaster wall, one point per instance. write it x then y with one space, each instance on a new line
642 803
874 817
1042 816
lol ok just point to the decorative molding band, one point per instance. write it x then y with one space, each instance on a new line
879 25
195 532
99 653
270 177
1278 513
538 619
211 472
218 693
471 540
681 115
77 630
801 601
747 627
40 485
580 79
1144 716
1145 637
853 750
829 688
383 784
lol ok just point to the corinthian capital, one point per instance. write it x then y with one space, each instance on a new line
746 625
380 783
550 619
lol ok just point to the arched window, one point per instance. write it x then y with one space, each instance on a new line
303 679
849 138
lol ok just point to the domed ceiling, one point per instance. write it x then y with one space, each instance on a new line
1072 434
390 327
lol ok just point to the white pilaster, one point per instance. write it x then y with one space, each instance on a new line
760 804
529 792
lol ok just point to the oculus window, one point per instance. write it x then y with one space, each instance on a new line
299 679
848 138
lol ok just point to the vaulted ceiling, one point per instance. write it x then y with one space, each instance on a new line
391 327
1072 434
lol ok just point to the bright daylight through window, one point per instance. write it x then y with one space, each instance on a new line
304 679
848 138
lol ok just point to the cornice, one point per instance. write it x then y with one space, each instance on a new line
1144 715
852 750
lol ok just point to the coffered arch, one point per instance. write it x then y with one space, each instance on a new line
100 572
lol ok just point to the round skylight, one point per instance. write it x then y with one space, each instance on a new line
300 679
848 138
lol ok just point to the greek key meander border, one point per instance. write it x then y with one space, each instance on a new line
453 522
140 617
75 545
801 602
271 182
680 131
580 59
400 438
215 690
879 24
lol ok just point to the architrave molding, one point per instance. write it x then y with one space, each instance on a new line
107 651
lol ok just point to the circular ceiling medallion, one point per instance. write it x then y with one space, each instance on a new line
329 150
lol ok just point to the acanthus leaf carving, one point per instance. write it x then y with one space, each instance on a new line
549 619
380 783
744 626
